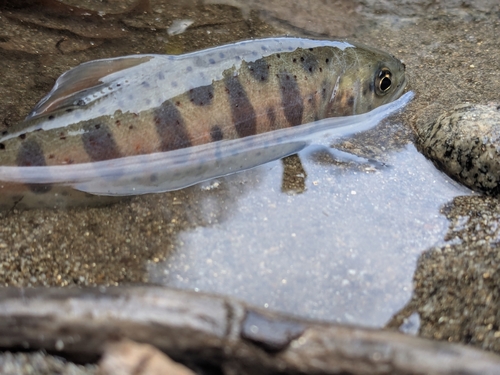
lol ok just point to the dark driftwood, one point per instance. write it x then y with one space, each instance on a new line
216 331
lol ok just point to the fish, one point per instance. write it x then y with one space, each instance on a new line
152 123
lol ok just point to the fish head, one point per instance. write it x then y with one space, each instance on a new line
369 79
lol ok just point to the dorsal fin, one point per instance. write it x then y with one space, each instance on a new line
71 87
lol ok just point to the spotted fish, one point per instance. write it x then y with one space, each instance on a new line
152 123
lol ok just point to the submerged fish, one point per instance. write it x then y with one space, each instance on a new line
151 123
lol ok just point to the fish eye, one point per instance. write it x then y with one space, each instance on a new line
383 81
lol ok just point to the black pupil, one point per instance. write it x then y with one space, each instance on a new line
385 83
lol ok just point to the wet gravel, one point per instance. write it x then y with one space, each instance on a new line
456 292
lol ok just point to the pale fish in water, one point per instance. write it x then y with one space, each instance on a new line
152 123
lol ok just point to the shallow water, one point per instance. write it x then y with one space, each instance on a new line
334 239
343 250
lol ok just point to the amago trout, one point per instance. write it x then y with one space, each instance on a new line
151 123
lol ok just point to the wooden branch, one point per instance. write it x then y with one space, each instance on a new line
210 330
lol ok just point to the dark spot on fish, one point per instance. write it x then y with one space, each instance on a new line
254 53
145 84
118 84
153 177
189 69
211 61
99 143
321 69
221 55
242 111
291 100
259 70
5 132
310 49
350 100
177 103
51 156
80 102
309 63
294 60
264 48
2 146
365 90
131 127
327 61
69 110
171 128
174 83
216 134
302 58
30 154
161 76
22 136
118 123
278 55
202 95
131 97
51 117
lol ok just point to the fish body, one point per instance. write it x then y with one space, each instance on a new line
197 116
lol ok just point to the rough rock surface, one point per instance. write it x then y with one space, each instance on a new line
465 143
